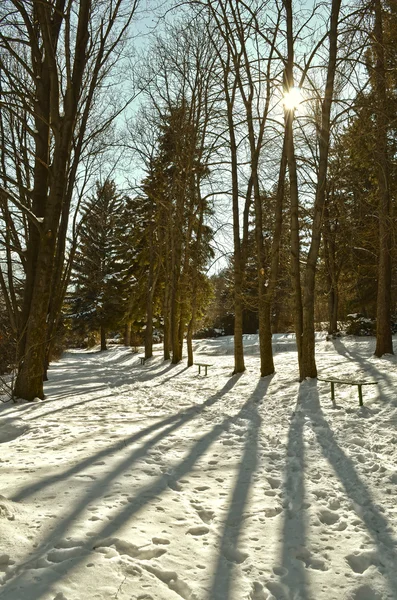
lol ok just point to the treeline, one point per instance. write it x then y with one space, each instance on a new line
263 126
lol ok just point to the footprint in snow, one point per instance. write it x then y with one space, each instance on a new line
198 530
311 562
59 555
271 493
274 482
234 555
365 592
257 592
361 561
273 511
328 517
160 541
5 563
123 547
206 516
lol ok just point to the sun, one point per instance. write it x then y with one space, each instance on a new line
292 99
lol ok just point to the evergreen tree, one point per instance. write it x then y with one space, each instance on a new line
177 235
97 300
136 246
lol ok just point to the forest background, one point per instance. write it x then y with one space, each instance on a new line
265 133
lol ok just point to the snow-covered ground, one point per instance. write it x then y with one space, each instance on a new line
150 482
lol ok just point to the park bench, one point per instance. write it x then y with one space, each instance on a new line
204 365
142 359
359 385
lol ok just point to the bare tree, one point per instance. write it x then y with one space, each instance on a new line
304 292
384 341
55 58
177 80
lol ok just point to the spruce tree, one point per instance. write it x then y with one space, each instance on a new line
97 301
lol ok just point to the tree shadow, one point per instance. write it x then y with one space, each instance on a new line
171 423
229 553
344 467
171 377
144 496
292 572
367 366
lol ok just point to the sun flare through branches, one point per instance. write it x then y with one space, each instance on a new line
292 99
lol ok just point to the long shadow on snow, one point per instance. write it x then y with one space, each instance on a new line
172 423
293 573
376 524
135 504
115 373
229 553
362 361
171 377
54 411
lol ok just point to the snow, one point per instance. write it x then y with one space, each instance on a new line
151 482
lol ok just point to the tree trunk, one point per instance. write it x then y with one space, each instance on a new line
267 363
239 365
305 295
295 240
189 345
309 368
175 317
132 336
103 338
175 299
190 327
293 183
167 328
384 340
29 381
332 269
149 330
151 286
333 302
127 328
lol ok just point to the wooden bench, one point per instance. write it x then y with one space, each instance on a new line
142 359
205 365
359 385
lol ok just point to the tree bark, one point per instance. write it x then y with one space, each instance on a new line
103 339
132 337
295 238
267 364
151 287
127 328
309 368
167 328
61 95
332 271
384 340
305 294
294 194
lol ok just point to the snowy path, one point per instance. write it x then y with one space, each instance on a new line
152 483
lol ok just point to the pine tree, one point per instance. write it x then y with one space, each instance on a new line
176 225
97 300
133 255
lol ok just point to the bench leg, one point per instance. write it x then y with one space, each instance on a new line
333 393
360 395
205 370
199 369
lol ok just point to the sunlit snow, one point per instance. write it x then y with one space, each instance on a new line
151 482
